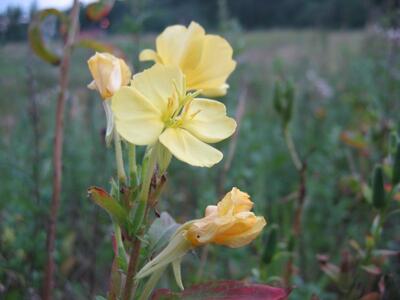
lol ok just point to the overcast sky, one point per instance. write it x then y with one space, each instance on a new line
25 4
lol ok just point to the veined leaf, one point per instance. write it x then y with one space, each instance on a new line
225 290
160 232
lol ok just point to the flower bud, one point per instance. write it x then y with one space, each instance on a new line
109 73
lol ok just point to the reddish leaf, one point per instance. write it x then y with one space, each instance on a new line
371 296
225 290
98 10
109 204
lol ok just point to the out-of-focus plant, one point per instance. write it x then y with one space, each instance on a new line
366 261
69 32
283 102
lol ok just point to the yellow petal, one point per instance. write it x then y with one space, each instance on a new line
184 146
215 91
214 67
126 73
157 85
209 123
175 42
149 54
245 237
137 120
234 202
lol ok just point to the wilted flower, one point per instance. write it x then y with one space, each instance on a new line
156 107
205 59
229 223
109 73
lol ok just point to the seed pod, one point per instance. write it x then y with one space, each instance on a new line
378 190
270 245
396 166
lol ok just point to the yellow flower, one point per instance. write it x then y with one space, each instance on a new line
205 59
156 108
229 223
109 74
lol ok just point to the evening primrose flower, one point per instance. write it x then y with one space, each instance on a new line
205 59
229 223
157 108
109 74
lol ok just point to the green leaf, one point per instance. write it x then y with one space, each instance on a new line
161 231
109 204
228 289
35 37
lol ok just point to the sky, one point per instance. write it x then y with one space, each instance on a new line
26 4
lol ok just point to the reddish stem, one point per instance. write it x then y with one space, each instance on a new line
48 282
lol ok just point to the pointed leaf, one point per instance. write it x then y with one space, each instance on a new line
109 204
228 290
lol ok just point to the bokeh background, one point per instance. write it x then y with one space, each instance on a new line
343 59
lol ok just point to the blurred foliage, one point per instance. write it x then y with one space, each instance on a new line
154 15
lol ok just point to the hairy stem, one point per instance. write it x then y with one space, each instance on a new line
48 282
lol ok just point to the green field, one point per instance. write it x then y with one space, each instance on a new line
347 99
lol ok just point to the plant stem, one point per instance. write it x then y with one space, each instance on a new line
132 165
292 149
148 164
48 282
133 262
119 158
301 168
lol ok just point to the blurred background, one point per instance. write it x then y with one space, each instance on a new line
342 60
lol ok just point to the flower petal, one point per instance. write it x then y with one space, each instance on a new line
209 123
244 238
157 84
149 54
189 149
214 67
137 120
176 43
